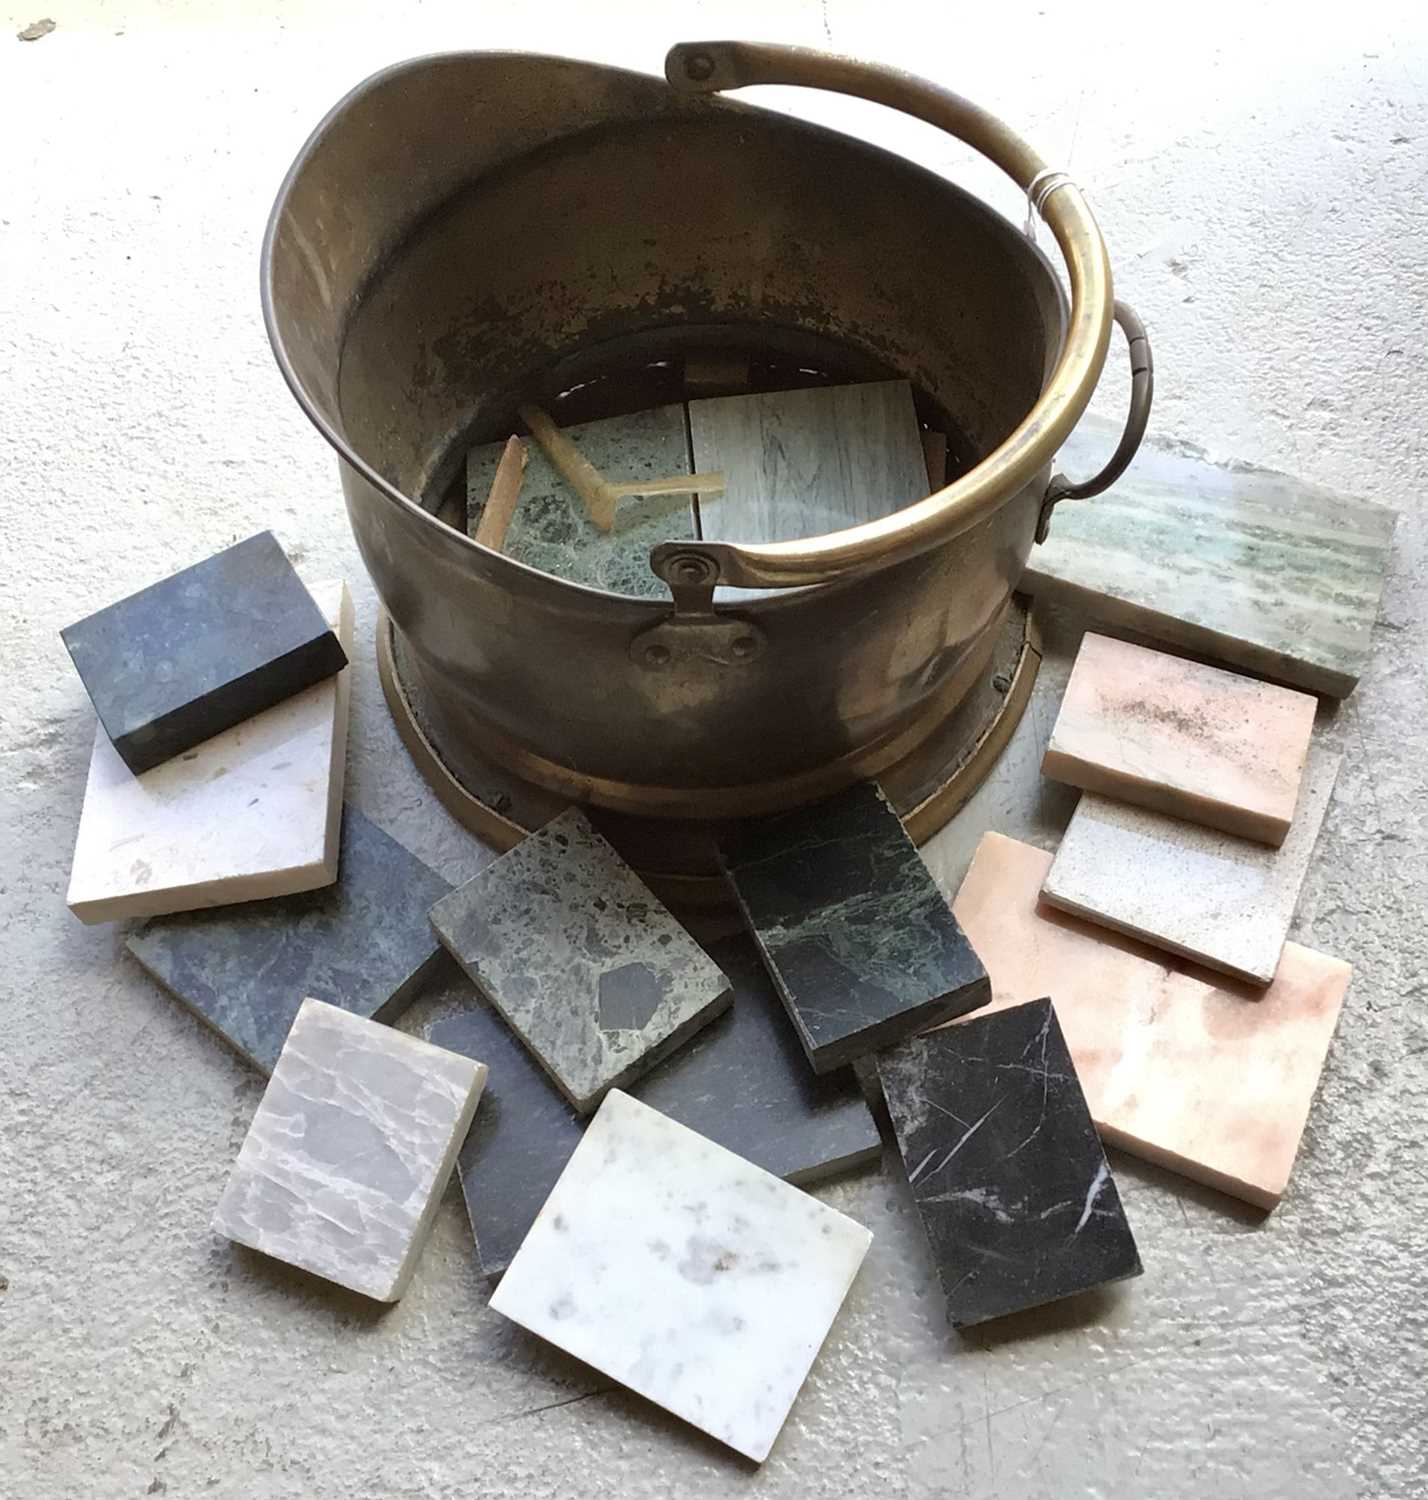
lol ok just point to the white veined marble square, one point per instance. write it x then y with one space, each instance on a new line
253 812
351 1148
684 1272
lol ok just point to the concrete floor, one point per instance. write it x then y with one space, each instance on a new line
1261 181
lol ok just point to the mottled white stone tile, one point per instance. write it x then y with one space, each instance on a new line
353 1142
685 1273
1224 901
251 813
1181 738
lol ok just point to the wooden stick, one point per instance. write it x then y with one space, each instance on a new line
505 493
677 484
573 467
934 450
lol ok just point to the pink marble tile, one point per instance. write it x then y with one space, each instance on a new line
1201 1074
1181 738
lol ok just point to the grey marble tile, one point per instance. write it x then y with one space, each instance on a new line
861 943
568 943
685 1273
195 654
801 463
1006 1168
363 944
1224 901
551 530
1255 568
352 1145
742 1082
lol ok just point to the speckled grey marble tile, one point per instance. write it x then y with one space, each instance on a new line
567 942
1252 567
350 1150
685 1273
551 530
742 1081
1223 901
195 654
1008 1173
364 944
861 943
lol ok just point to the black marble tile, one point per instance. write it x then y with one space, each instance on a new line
195 654
364 944
742 1082
861 943
1007 1170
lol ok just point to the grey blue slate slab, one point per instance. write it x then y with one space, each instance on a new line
584 963
1006 1168
551 529
350 1151
195 654
363 944
861 944
742 1082
1250 567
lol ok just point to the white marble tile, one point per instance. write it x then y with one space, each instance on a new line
1225 901
346 1159
252 812
685 1273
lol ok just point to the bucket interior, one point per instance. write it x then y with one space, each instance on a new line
583 273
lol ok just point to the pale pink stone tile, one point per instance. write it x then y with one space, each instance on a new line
1181 738
1201 1074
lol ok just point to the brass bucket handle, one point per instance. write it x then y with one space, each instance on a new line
713 67
1142 394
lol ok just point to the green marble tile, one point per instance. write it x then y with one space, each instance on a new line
1247 565
550 529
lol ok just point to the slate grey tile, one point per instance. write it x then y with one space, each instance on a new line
195 654
685 1273
363 944
1006 1168
742 1081
593 973
1226 902
861 944
551 529
1255 568
351 1147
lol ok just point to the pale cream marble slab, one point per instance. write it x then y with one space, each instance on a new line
1181 738
1203 1075
353 1143
684 1272
253 812
1255 568
1223 901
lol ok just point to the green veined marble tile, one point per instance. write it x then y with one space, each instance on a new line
1258 569
550 529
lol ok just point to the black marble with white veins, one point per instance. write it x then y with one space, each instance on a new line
1006 1168
195 654
363 944
861 943
742 1082
347 1156
593 973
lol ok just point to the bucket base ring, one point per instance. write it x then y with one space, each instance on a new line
676 858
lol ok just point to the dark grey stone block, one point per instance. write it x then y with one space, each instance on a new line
742 1082
364 944
195 654
567 942
859 940
1007 1170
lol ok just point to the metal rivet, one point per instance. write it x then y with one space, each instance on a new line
699 67
656 655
